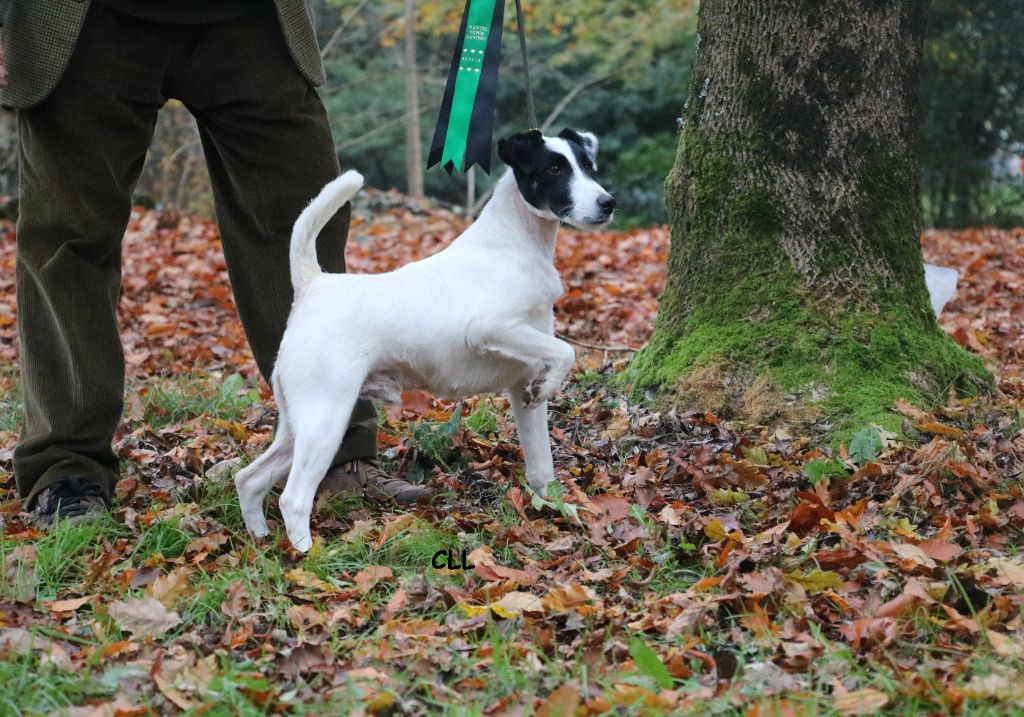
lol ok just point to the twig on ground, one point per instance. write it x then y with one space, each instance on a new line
596 347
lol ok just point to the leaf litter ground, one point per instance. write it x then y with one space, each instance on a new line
687 566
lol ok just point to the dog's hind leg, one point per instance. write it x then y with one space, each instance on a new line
532 427
255 480
319 427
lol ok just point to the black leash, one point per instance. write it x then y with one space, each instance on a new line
531 112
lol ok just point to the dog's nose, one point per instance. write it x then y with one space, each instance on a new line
607 202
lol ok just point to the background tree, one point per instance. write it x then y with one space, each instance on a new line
413 133
795 278
618 68
615 67
972 111
610 66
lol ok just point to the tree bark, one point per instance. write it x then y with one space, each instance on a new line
413 158
795 278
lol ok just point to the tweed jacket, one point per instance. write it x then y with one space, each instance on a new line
40 35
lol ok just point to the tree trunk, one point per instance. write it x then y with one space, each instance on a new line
413 158
795 279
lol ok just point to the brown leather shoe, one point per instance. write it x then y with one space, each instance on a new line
368 478
342 481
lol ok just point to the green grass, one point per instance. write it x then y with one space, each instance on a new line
415 546
31 688
66 552
508 656
165 538
239 686
185 397
165 401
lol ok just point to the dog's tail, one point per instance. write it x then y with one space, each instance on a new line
332 197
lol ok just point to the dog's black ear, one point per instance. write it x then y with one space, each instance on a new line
586 140
520 150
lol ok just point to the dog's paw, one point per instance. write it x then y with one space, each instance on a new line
258 530
540 388
531 394
540 487
302 543
255 522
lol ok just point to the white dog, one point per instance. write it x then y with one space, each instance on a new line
474 318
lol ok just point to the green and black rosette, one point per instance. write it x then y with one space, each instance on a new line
466 122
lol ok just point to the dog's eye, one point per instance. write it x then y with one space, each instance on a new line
554 169
587 164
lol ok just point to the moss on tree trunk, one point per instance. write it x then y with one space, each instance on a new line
795 279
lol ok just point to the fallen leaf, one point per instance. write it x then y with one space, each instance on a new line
865 701
870 632
236 599
715 531
309 580
71 604
562 702
940 429
171 693
485 566
170 588
395 604
913 595
1009 571
815 581
940 550
143 617
913 554
369 576
514 603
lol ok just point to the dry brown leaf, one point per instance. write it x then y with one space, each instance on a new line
170 588
562 702
515 602
485 566
940 429
913 595
912 554
562 598
143 617
171 693
369 576
395 604
236 599
940 550
311 581
71 604
865 701
870 632
305 617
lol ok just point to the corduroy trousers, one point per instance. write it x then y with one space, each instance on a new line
269 149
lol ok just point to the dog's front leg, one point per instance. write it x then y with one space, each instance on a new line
548 359
532 427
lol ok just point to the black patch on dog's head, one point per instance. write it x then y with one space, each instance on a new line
586 141
543 175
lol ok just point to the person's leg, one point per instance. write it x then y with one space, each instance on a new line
268 145
81 152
